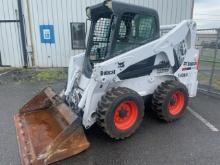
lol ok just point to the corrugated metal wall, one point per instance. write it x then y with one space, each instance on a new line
170 11
10 43
60 13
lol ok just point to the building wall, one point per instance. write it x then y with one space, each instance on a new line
60 13
10 43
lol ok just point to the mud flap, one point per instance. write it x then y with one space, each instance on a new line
48 130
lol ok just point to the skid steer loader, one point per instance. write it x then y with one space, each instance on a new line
126 59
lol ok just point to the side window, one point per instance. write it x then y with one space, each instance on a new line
147 28
122 30
100 39
134 30
78 35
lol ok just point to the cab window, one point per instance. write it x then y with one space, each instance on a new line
100 39
134 31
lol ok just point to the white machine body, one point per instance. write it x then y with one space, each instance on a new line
86 92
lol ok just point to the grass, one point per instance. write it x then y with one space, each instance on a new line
3 70
216 83
50 75
208 55
206 64
203 78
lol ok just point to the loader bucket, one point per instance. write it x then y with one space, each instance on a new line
48 130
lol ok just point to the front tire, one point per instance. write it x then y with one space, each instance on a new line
120 112
170 100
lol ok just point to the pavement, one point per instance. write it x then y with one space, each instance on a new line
188 141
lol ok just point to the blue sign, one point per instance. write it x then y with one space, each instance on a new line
47 34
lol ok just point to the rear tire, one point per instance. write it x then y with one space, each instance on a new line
170 100
120 112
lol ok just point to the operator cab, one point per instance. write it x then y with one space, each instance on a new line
116 28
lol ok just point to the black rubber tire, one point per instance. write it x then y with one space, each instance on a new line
161 99
106 109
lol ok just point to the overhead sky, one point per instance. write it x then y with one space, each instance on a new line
207 13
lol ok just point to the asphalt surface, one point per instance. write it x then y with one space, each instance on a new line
185 142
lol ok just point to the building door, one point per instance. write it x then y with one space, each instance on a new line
12 39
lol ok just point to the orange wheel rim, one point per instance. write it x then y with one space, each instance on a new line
176 103
125 115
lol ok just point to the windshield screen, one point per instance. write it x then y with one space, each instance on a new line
100 39
133 31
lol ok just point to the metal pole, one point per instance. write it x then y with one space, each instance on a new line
192 10
23 41
214 60
31 32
